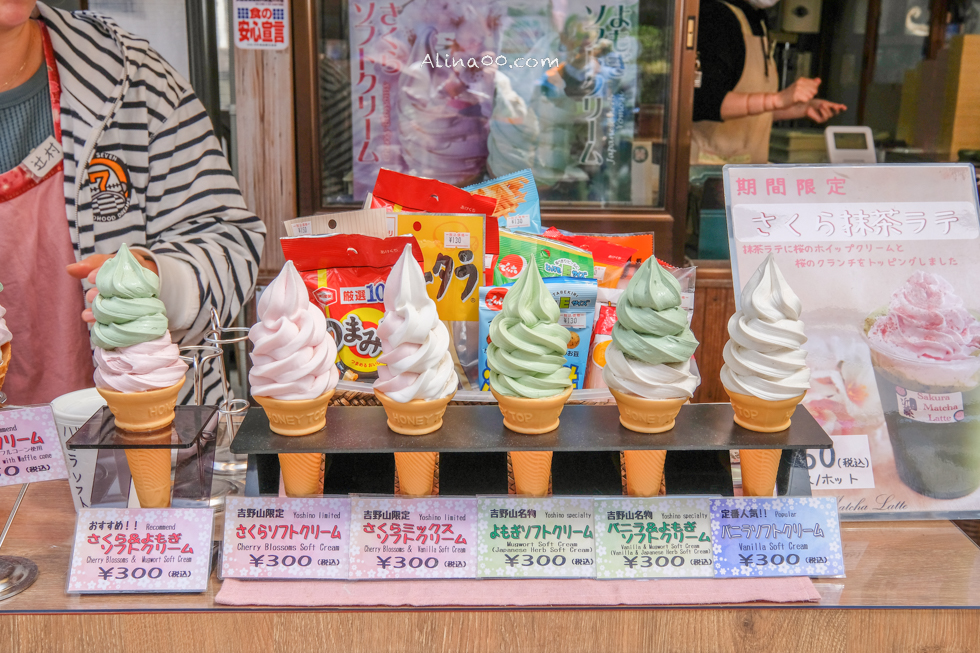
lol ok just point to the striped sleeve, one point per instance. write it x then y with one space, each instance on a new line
195 215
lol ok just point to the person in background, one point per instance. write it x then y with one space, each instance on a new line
739 95
103 143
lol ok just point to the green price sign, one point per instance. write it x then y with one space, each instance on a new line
653 538
524 537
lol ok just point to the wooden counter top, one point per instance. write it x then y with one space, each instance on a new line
889 565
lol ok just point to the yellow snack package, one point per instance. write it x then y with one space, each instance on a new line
452 253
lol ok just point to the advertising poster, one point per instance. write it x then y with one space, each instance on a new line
471 90
884 260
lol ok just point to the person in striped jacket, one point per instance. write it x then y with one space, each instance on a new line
102 143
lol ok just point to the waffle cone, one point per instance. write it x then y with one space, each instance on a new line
4 362
647 415
761 415
151 470
532 472
531 416
644 472
759 467
416 472
301 473
296 416
416 417
143 411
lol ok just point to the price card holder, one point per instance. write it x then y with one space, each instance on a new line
30 450
402 538
141 550
527 537
653 538
776 537
284 538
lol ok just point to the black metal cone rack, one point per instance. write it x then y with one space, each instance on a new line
473 445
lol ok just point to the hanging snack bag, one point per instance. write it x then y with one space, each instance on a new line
402 193
345 276
518 206
610 259
452 251
553 258
577 302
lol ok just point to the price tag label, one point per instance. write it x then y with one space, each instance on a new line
572 320
30 450
278 537
776 537
525 537
653 538
141 550
846 466
304 228
456 240
521 220
397 538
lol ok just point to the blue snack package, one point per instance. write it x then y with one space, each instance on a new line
518 206
577 302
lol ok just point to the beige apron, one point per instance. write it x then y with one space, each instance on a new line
740 140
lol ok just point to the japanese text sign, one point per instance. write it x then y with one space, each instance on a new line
141 550
395 538
43 159
525 537
278 537
261 24
878 255
846 465
653 538
776 537
30 450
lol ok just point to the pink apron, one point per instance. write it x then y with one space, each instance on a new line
50 350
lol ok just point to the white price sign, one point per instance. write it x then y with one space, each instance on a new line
845 466
456 240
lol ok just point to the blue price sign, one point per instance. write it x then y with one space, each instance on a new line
776 537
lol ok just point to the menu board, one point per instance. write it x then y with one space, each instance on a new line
884 259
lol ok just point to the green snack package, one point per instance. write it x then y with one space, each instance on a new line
553 258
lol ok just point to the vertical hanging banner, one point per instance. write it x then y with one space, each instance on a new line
261 24
884 260
30 450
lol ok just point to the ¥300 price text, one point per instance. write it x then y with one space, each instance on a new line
645 562
528 560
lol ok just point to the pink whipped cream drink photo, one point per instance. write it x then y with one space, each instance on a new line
925 351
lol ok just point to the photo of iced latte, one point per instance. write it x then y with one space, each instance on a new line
925 350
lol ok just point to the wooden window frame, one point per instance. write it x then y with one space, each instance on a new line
668 223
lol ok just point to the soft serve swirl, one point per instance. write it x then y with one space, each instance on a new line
293 355
5 335
650 354
416 363
763 356
527 345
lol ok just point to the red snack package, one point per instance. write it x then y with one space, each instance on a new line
345 276
408 194
610 259
605 319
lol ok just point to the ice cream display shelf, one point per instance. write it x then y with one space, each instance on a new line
474 446
363 429
192 434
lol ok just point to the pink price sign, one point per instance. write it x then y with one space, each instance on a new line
278 537
396 538
141 550
29 447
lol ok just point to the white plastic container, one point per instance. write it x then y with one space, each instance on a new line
71 411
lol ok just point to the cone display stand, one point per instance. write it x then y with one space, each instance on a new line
473 445
192 434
